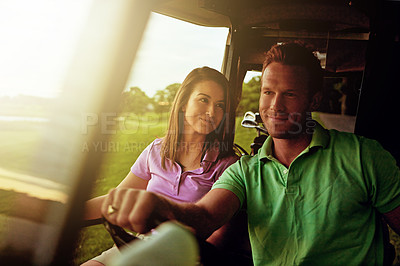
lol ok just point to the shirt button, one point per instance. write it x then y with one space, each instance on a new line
285 171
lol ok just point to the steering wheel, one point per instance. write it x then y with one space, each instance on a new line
118 234
209 254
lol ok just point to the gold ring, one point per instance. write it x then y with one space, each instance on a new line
111 209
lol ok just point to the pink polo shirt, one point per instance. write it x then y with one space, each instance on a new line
188 186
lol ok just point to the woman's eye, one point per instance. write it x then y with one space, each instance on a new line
221 105
204 100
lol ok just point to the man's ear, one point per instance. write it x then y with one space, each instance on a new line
315 101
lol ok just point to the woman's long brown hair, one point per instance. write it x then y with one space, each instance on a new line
173 137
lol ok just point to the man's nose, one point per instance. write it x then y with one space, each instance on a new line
277 103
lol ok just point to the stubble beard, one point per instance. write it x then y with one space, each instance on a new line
293 127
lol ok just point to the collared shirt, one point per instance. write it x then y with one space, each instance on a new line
322 209
172 182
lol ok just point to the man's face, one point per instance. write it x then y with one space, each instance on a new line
284 100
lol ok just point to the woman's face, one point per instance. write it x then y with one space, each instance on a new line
205 108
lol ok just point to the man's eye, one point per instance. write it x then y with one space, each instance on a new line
290 94
267 92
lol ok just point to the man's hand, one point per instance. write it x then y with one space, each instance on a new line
134 209
141 211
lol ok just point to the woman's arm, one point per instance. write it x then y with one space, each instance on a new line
93 206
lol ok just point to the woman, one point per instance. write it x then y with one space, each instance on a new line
196 149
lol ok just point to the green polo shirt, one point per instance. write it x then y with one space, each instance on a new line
323 209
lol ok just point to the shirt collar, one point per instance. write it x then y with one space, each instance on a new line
320 138
211 153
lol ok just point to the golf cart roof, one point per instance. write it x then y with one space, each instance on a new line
337 25
273 14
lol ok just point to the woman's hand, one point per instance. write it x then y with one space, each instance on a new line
137 210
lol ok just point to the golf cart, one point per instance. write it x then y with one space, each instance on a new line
355 40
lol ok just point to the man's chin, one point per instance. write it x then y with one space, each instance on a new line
281 135
284 130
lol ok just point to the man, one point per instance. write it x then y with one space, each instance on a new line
312 196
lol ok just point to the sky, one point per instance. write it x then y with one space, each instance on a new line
170 49
38 40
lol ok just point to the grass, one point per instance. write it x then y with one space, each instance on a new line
18 145
127 144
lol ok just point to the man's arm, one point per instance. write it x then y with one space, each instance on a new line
141 211
218 206
393 219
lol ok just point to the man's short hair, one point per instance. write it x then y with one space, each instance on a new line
296 54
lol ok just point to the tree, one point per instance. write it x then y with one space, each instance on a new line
163 98
171 91
135 101
250 96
